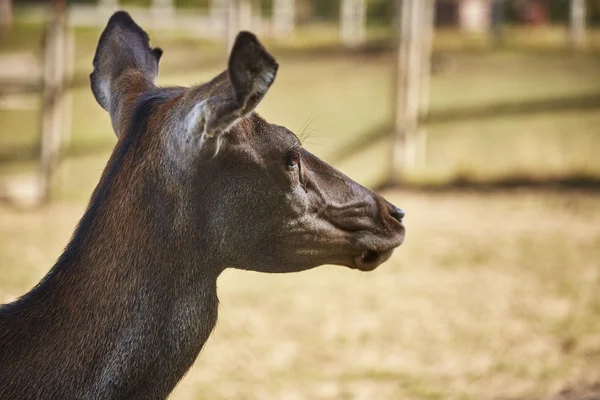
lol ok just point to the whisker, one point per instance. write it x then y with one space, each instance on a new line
303 131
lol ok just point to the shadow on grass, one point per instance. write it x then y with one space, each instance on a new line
359 143
574 181
26 152
585 391
510 109
19 153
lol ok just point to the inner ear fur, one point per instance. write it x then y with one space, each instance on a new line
236 93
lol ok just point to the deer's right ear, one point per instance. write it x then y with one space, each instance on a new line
123 49
232 95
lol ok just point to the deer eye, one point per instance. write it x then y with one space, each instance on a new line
292 159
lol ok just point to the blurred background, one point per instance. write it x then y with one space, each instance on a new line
480 118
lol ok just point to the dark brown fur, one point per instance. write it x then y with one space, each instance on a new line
196 183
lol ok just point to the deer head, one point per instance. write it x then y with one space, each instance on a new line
220 178
197 183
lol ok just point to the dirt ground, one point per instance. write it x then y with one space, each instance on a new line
493 296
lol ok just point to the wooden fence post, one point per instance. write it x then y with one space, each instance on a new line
283 17
219 18
52 97
352 22
232 23
427 29
577 23
408 86
106 8
6 15
69 72
239 17
162 13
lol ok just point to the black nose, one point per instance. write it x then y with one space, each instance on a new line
397 213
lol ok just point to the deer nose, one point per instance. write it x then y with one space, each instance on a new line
396 213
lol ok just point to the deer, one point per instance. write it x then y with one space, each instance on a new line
197 183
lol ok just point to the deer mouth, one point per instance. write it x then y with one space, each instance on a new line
376 252
371 259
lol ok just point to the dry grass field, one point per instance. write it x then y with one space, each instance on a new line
493 296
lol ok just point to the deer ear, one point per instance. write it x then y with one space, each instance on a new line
251 72
123 46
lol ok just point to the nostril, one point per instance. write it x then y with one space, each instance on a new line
397 213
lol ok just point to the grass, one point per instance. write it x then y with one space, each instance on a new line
493 296
489 298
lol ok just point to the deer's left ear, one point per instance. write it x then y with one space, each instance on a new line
235 93
123 49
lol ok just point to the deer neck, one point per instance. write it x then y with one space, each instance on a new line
155 286
132 300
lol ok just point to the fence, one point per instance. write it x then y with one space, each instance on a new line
221 21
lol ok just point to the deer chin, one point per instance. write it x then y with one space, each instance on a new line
371 259
376 252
